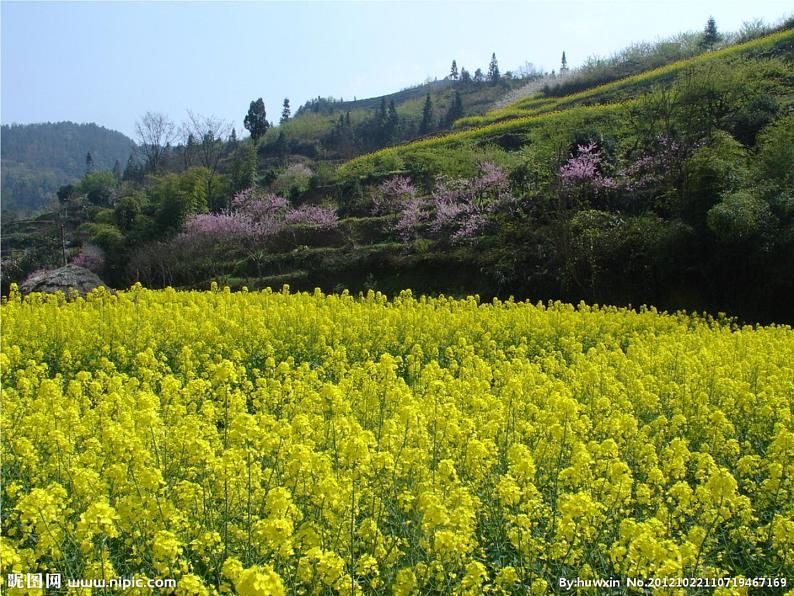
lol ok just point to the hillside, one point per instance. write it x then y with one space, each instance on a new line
39 158
519 118
671 187
331 129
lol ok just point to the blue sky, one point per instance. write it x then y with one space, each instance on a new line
109 62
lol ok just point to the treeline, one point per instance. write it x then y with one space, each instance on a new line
329 128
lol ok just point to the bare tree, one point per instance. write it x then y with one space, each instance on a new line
208 132
155 132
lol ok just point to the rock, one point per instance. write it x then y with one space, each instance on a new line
62 279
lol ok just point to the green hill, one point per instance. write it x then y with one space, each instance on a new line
38 158
511 126
329 129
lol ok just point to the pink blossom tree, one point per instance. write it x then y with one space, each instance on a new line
91 257
583 171
311 215
464 208
662 160
392 193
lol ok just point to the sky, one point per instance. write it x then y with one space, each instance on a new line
110 62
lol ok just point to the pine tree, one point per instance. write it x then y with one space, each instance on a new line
285 111
453 72
455 110
89 163
117 170
493 70
563 64
465 76
190 150
427 117
711 36
478 78
382 110
256 120
394 120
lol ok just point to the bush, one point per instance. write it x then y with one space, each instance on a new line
740 217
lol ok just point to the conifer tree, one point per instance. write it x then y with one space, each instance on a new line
563 64
256 120
427 116
493 70
478 77
453 72
711 36
455 110
393 120
465 76
89 163
285 111
382 110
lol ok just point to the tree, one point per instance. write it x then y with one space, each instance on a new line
394 119
711 36
89 163
478 76
285 111
177 196
65 194
99 187
465 76
133 170
244 167
117 169
189 149
563 64
382 111
427 116
155 132
455 110
453 72
493 70
210 132
256 120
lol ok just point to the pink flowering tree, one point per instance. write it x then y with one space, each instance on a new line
391 195
464 208
655 166
91 257
311 215
582 176
253 218
412 216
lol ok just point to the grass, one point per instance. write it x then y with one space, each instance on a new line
394 157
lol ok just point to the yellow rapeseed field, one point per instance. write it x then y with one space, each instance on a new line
273 442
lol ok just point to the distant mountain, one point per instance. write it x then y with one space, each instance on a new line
38 158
